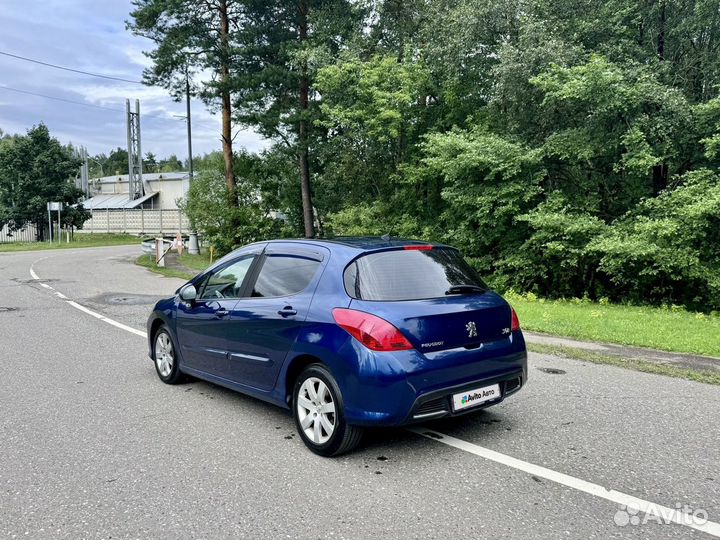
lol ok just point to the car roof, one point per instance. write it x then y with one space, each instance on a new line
347 247
360 243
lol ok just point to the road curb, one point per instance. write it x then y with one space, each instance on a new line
680 360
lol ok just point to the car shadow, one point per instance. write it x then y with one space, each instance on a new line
381 441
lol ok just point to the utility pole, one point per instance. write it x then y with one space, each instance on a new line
81 181
194 247
189 128
85 172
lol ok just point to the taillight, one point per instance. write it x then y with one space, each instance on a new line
515 324
418 248
375 333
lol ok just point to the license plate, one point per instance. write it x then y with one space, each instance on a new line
475 397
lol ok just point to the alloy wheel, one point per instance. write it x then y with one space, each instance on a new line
316 410
164 354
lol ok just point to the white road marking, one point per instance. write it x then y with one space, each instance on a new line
124 327
662 512
87 310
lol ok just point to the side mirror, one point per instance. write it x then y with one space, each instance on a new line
188 293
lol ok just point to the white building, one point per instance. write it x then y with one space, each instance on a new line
162 190
156 212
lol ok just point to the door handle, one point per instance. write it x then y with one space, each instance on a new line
287 311
222 313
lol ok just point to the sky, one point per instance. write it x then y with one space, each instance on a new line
90 35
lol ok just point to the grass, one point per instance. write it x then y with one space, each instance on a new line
670 329
80 240
704 376
193 264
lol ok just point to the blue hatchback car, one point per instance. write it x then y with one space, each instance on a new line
347 333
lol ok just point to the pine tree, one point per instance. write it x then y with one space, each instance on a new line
193 37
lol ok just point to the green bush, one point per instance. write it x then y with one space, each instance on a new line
666 250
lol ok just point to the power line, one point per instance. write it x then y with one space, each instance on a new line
69 69
3 87
145 115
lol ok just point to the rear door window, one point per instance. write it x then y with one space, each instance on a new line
411 274
283 275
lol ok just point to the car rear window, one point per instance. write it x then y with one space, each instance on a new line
409 274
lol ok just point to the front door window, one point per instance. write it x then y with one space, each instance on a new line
227 282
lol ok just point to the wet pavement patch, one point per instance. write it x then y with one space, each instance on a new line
552 370
125 299
27 281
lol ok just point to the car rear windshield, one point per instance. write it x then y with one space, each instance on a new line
411 274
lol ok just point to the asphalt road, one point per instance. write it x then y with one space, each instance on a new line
92 445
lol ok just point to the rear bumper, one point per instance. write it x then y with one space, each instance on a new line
438 404
404 387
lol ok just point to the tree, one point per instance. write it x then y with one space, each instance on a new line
35 169
150 163
228 226
599 130
116 163
568 147
279 47
665 249
374 112
170 164
539 125
193 37
97 165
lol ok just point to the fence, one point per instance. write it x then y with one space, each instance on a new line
134 221
137 221
27 234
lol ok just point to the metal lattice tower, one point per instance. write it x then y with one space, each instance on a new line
82 180
134 151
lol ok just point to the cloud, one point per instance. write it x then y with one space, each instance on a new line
91 36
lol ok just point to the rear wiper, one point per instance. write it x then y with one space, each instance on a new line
460 289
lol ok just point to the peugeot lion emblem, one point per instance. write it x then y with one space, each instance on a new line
471 329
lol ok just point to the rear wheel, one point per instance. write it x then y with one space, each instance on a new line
319 414
165 358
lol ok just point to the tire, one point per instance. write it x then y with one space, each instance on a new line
165 357
324 432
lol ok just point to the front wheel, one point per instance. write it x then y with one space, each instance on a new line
165 357
319 414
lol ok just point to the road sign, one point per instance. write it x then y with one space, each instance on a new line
54 207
